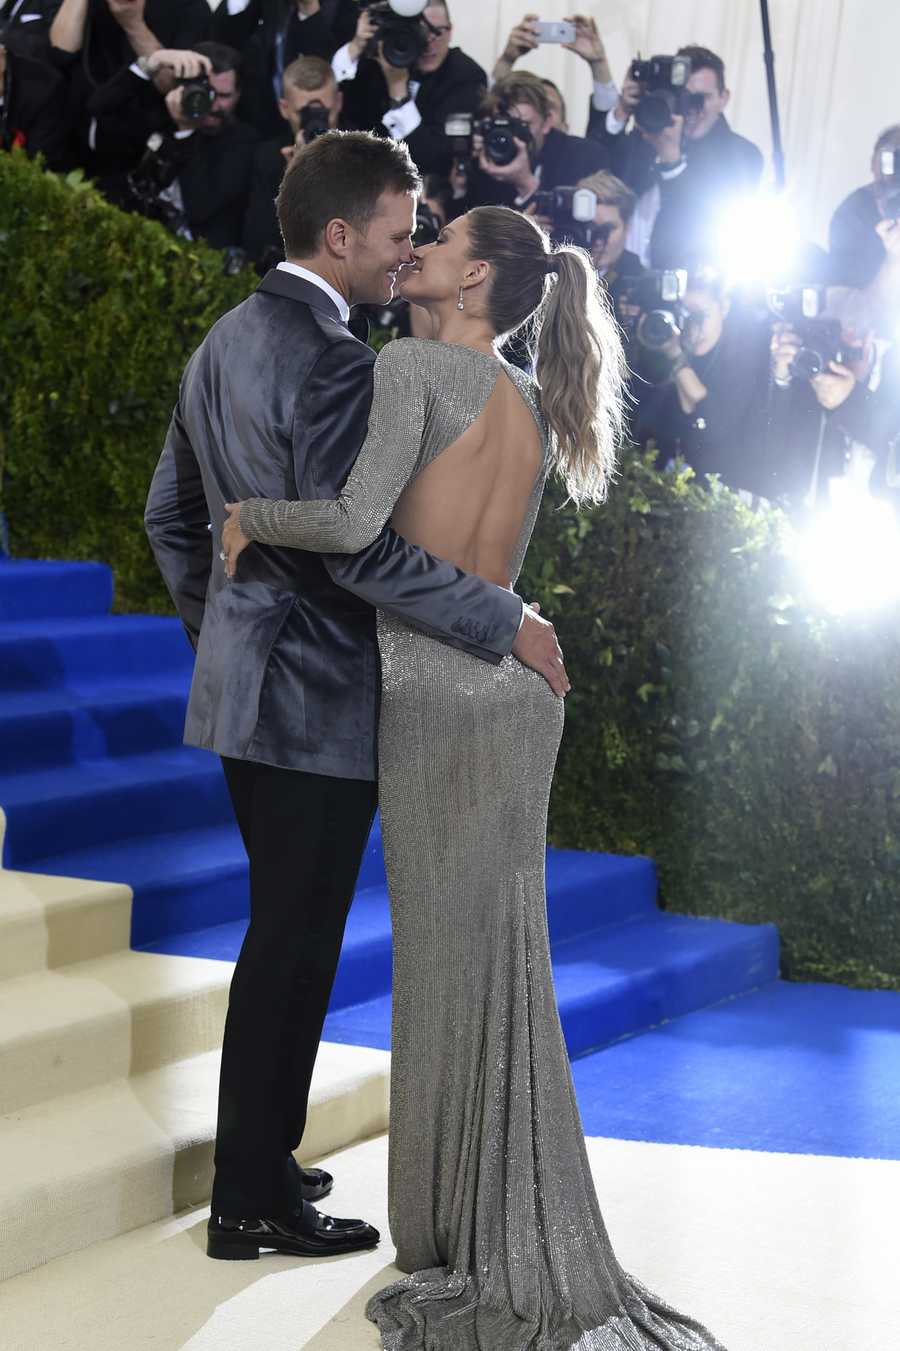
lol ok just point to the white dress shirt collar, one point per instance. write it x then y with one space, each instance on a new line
343 308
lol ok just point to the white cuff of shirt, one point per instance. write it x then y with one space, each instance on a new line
614 125
605 96
183 134
521 621
236 6
136 70
673 171
343 65
402 122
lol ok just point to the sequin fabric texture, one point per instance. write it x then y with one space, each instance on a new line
492 1204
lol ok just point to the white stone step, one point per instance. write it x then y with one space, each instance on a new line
48 922
73 1028
96 1164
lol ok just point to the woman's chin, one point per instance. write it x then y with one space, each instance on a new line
407 289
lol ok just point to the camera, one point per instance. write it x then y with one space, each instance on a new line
572 211
428 226
498 132
820 338
889 201
664 91
197 97
658 296
143 189
402 38
314 120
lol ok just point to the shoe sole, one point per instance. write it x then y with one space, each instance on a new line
225 1248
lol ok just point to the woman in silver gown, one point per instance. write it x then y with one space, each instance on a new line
492 1204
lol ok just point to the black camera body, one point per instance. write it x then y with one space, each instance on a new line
658 297
428 226
197 97
499 133
572 212
820 337
402 40
664 91
314 120
889 199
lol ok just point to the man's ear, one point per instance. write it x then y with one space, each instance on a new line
283 109
726 97
336 237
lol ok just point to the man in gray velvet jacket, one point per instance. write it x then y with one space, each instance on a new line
274 403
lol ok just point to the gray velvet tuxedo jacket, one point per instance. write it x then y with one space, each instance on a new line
274 403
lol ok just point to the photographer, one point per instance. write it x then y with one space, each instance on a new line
411 102
32 102
853 239
310 104
98 43
681 157
518 151
844 417
712 364
271 34
615 264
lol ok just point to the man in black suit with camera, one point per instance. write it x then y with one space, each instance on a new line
536 156
410 102
275 402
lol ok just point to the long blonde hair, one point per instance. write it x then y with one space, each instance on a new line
580 364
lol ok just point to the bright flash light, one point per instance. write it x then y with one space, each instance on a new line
758 238
850 555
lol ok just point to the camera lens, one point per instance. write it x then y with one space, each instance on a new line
656 328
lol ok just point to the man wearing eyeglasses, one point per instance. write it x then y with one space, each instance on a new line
410 104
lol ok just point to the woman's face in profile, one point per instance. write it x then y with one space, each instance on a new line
439 268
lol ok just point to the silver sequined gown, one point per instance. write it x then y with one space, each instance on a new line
492 1204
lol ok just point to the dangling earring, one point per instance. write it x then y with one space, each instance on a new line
459 303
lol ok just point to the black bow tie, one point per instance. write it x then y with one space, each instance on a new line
358 324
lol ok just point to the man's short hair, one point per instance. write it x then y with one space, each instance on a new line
703 59
888 140
521 87
307 73
339 175
222 58
548 84
611 191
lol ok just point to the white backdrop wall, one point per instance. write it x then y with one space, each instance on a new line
837 66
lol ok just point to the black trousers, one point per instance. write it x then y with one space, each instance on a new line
304 835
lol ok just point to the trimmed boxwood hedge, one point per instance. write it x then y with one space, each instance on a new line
717 722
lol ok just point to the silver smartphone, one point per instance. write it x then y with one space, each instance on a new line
552 30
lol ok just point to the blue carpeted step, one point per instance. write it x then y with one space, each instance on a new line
31 589
194 880
45 727
54 811
58 652
622 980
584 892
789 1068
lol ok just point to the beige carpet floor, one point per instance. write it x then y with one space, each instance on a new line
775 1252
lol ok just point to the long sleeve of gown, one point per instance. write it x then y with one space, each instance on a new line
387 461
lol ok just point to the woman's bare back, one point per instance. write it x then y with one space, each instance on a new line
469 503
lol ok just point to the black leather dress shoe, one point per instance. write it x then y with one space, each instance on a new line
241 1240
315 1183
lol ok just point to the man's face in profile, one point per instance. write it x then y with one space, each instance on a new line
386 246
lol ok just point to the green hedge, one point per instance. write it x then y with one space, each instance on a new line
751 746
